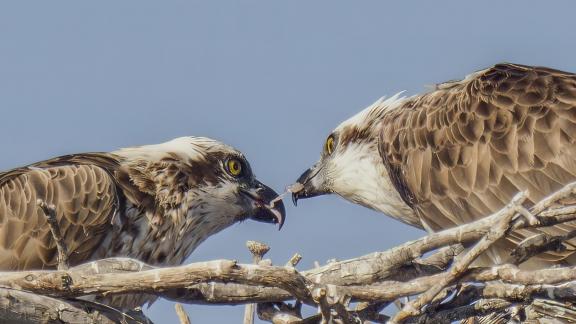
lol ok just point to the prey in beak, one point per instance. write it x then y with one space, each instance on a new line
265 203
308 185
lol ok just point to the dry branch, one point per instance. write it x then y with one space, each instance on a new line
258 250
197 282
18 306
377 278
182 316
280 313
157 280
384 291
538 244
50 212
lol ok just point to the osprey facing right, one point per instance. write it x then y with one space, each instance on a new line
458 153
154 203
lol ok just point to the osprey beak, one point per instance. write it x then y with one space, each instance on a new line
267 204
307 186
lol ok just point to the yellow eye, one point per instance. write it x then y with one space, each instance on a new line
329 146
234 167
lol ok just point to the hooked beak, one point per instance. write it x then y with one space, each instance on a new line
267 205
308 185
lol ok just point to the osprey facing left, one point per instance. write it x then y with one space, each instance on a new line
458 153
155 203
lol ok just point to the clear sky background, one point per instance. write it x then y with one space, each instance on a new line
271 78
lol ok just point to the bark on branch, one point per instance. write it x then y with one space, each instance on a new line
377 278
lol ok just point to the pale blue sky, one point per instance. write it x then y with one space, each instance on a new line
271 78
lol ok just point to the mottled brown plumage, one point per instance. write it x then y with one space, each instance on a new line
85 194
464 150
459 152
155 203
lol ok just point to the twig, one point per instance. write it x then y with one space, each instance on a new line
159 280
258 250
539 243
436 263
283 314
510 273
18 306
371 311
50 212
542 308
204 281
182 316
330 298
524 293
294 260
319 296
565 192
343 314
480 308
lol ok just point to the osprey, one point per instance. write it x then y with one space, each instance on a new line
457 153
155 203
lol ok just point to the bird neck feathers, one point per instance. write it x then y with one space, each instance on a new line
170 240
361 177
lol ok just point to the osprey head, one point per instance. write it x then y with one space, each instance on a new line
350 164
202 184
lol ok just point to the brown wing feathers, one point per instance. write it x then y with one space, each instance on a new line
465 149
85 196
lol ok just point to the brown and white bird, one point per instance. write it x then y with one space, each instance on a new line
459 152
155 203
